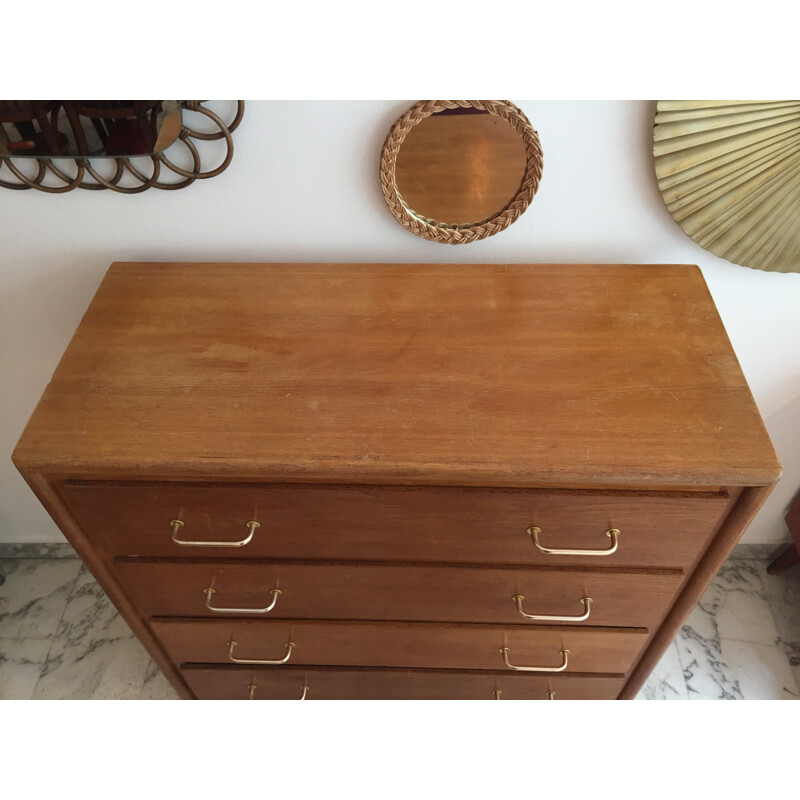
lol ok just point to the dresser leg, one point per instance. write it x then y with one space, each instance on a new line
739 517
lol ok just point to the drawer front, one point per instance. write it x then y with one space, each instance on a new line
401 593
390 644
291 683
483 526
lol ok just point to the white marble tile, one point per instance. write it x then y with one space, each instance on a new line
757 552
34 595
156 686
94 653
707 675
42 550
731 636
666 681
783 593
792 650
729 646
762 671
21 663
737 607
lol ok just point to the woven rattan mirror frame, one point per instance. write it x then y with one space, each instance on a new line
161 163
460 234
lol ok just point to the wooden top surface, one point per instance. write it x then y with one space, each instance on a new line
439 374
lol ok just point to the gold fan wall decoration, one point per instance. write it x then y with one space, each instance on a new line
729 173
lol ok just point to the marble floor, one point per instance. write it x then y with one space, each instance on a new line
60 638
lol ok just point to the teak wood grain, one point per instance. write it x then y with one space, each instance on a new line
286 683
426 593
483 526
393 644
490 374
395 429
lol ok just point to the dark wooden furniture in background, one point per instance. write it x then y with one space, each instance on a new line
401 481
126 132
119 124
138 118
22 114
791 555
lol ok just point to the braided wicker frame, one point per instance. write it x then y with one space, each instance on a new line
461 234
84 168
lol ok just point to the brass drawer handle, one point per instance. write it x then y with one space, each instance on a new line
177 524
209 591
232 644
495 692
551 618
613 534
252 687
561 668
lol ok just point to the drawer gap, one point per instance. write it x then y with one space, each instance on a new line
197 665
521 625
413 624
211 562
702 493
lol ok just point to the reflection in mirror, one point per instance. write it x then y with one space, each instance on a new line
121 145
456 171
87 128
460 166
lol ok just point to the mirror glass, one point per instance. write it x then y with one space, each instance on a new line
96 128
460 166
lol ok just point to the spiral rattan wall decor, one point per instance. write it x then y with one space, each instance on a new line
131 174
729 173
460 231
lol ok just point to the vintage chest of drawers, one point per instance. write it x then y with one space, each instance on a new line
401 481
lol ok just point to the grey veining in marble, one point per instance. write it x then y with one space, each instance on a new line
759 552
94 654
156 686
21 662
666 682
762 671
738 603
33 595
706 674
731 641
783 593
792 650
12 550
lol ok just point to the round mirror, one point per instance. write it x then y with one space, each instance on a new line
456 171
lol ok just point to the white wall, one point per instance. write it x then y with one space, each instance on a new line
303 186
